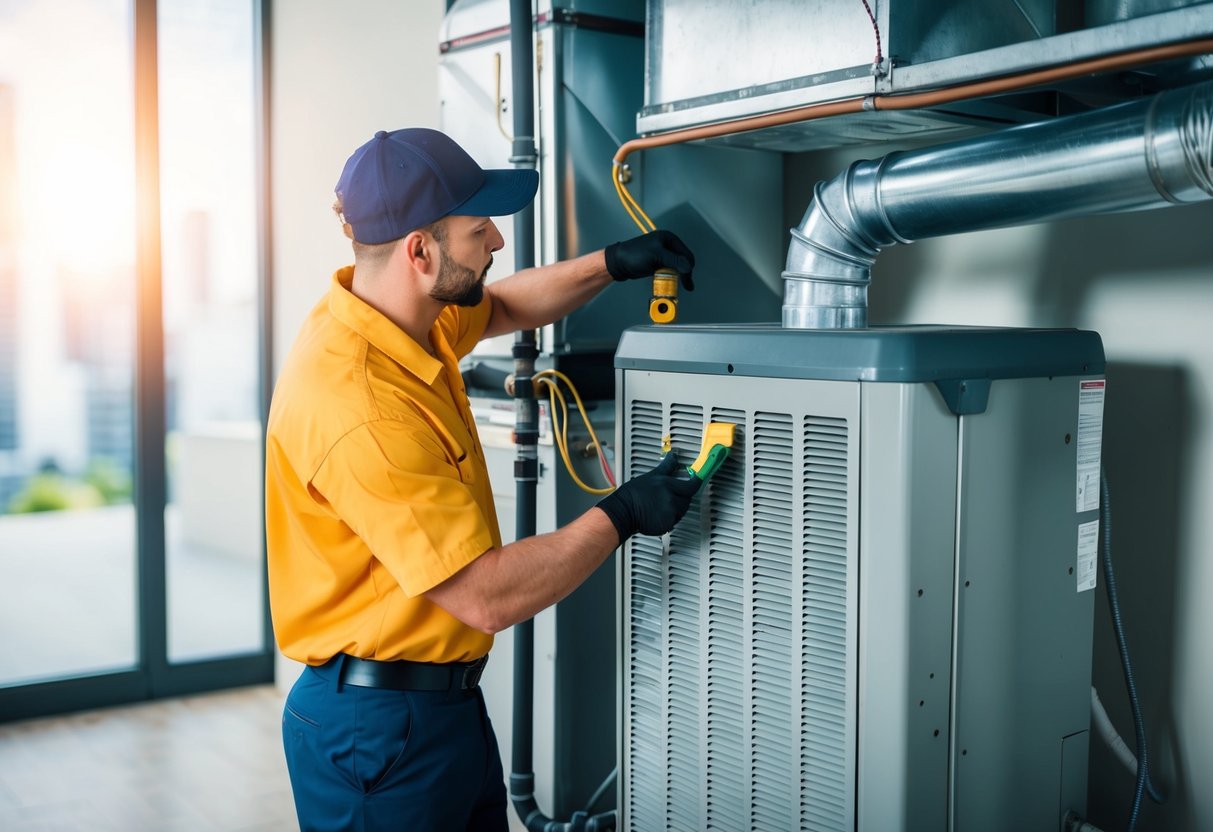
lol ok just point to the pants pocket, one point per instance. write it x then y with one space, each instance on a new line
383 725
300 740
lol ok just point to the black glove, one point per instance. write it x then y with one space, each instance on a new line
651 503
641 256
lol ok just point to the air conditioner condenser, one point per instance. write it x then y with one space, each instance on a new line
878 614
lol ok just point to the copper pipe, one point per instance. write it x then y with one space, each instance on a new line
977 89
727 128
1091 66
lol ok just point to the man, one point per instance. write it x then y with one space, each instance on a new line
387 574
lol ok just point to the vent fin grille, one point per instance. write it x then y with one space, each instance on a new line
726 799
684 726
738 689
646 580
773 768
824 694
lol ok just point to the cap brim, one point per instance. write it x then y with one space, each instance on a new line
504 192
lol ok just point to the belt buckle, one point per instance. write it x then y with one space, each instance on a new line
472 673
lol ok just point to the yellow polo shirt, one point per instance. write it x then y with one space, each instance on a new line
376 486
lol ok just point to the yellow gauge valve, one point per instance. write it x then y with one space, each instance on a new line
663 307
667 444
717 439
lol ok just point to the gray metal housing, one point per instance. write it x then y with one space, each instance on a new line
870 619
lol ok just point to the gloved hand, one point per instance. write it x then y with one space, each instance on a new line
651 503
641 256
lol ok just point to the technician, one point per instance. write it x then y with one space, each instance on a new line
387 575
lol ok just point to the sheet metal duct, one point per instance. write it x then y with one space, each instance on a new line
709 61
1145 154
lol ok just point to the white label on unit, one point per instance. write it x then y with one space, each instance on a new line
1090 442
1088 547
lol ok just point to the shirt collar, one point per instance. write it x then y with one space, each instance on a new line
375 327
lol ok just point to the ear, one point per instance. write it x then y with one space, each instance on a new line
420 250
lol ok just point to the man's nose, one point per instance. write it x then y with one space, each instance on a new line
496 241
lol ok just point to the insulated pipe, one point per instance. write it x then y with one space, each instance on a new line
1145 154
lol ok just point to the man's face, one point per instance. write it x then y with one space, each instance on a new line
466 254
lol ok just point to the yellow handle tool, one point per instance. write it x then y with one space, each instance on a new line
663 307
717 439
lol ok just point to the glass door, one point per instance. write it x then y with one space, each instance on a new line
67 341
132 290
208 230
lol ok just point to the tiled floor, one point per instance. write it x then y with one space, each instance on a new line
196 764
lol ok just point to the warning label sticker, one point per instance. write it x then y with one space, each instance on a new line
1090 442
1088 546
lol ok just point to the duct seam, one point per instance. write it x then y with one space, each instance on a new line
881 213
1196 133
853 233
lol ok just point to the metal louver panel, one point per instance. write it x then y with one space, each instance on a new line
773 764
739 669
684 799
824 693
725 759
646 753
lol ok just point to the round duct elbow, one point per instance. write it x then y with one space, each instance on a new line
829 263
1140 155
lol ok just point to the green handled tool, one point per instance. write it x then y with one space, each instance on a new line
717 439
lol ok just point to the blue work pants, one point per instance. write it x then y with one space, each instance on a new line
368 759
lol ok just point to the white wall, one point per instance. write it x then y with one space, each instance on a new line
341 71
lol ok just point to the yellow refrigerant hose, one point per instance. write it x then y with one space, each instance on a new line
663 305
560 428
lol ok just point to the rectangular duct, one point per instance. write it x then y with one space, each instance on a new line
713 60
869 619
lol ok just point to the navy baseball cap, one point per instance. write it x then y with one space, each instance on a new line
406 179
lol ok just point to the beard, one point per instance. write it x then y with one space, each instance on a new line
457 283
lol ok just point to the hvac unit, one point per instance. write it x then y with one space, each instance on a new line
877 615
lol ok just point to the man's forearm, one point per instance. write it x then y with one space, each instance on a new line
535 297
511 584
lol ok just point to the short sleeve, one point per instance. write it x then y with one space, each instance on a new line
464 326
392 483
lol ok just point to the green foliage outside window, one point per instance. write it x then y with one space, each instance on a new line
103 483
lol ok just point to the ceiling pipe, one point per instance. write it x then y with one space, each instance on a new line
1145 154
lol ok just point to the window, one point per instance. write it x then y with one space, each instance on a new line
130 532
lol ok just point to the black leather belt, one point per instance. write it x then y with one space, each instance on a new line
406 675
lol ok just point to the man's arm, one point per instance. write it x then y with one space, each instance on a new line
511 584
534 297
514 582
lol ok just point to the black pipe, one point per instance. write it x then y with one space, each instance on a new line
526 438
526 418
